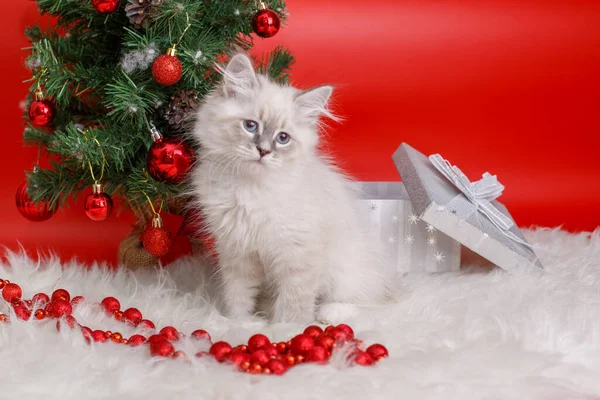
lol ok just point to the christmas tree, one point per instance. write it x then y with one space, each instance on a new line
114 87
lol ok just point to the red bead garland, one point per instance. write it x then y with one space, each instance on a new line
259 356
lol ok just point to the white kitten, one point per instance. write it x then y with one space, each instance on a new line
282 216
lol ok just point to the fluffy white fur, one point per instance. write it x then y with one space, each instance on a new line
284 221
469 335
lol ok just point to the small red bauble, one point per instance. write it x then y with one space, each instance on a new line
270 350
111 304
317 354
22 312
98 205
116 337
257 341
169 333
133 315
266 23
155 338
36 212
347 330
313 331
239 357
156 241
169 160
377 351
146 324
61 294
277 367
200 334
161 348
301 344
221 351
99 336
260 357
167 69
255 368
338 334
363 358
76 300
40 314
282 347
326 341
42 112
106 6
3 318
59 308
136 340
12 292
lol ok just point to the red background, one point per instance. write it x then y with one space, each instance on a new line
509 87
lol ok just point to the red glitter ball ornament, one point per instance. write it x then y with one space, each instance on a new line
221 351
317 354
169 333
146 325
301 344
260 357
155 338
239 357
347 330
61 294
99 336
41 299
270 350
377 351
12 292
326 341
167 69
36 212
22 312
338 334
277 367
111 304
133 315
98 205
169 159
257 341
59 308
136 340
161 348
41 112
156 239
313 331
266 22
363 358
200 334
106 6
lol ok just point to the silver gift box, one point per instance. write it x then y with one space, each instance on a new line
409 244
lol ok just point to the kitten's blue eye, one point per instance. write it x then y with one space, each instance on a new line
250 126
282 138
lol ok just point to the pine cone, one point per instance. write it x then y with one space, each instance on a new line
138 10
182 107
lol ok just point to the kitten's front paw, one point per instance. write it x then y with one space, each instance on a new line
336 313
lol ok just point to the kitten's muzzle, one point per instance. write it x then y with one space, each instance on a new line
262 152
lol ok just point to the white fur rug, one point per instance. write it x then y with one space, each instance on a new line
470 335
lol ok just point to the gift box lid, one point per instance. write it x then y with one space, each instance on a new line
466 211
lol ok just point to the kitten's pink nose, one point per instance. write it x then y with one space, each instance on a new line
262 151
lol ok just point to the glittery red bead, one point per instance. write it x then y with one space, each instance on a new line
313 331
338 334
40 299
169 333
347 330
59 308
260 357
238 357
255 368
146 324
277 367
39 314
136 340
266 23
42 112
270 350
99 336
118 315
221 351
317 354
363 358
301 344
200 334
257 341
111 304
377 351
282 347
22 312
326 341
161 348
12 292
167 70
132 315
3 318
36 212
77 300
60 294
106 6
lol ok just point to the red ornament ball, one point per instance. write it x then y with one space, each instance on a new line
22 312
156 337
42 112
317 354
12 292
257 341
99 336
61 294
377 351
363 358
169 160
106 6
111 304
266 23
313 331
98 205
277 367
136 340
260 357
147 325
156 241
133 315
347 330
36 212
41 299
161 348
200 334
167 69
301 344
169 333
239 357
221 351
271 350
59 308
338 334
326 341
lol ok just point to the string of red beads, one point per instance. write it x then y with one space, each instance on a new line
258 356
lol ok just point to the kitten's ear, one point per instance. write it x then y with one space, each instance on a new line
239 78
313 103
